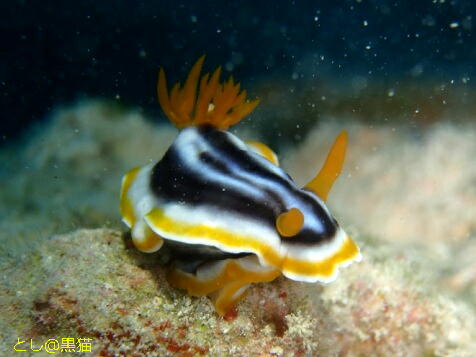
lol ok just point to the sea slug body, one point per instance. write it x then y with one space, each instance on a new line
230 215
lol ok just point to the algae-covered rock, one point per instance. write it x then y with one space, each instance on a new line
406 198
71 170
93 284
408 185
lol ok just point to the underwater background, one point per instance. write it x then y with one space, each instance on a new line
79 109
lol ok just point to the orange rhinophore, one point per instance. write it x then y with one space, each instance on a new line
322 183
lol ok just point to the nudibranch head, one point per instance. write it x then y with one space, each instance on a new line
229 213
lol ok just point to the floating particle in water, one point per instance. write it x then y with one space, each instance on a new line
428 20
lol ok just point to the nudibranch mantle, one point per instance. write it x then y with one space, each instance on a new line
229 213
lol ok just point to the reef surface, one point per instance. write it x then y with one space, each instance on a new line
407 196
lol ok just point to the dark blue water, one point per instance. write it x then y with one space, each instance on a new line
54 52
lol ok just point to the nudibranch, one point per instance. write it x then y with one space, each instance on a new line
230 215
